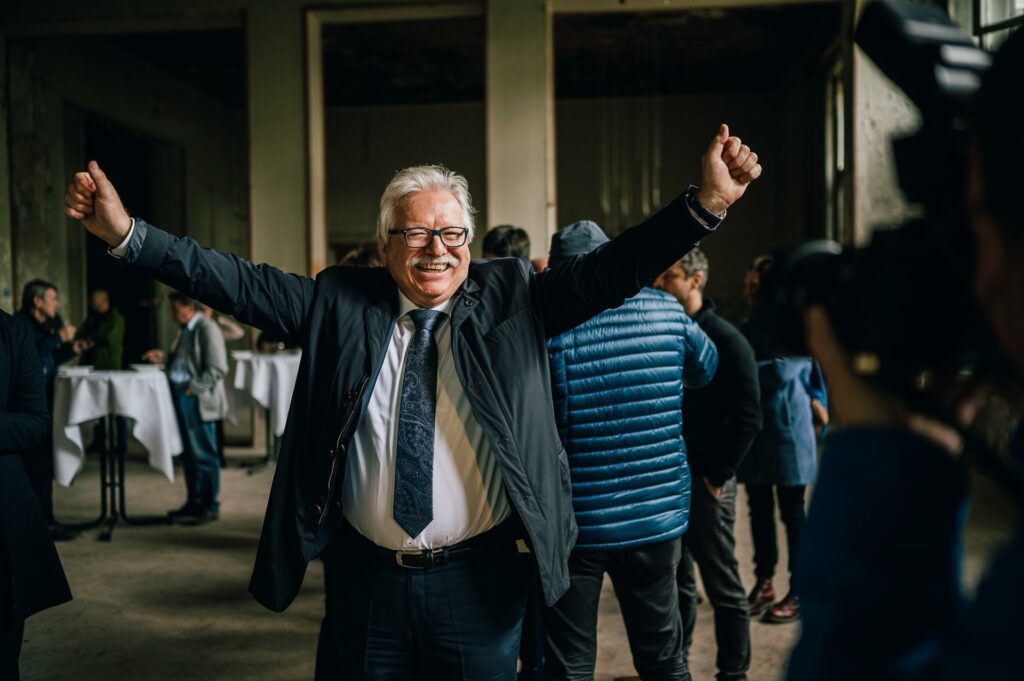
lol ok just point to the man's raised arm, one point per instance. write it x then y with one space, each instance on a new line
258 295
578 289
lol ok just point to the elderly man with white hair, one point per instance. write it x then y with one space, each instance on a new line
421 449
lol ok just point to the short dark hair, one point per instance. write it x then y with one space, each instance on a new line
1000 110
36 288
693 262
507 241
761 264
182 299
364 255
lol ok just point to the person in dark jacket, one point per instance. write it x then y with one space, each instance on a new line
27 556
720 423
103 333
431 372
881 560
55 342
618 386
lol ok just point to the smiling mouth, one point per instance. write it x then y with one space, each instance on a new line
433 267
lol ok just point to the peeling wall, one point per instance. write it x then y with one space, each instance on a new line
47 76
881 111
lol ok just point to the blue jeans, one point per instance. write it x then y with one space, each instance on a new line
458 621
200 460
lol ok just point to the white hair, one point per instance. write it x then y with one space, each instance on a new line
423 179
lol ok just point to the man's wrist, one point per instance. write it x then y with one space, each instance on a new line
711 202
700 210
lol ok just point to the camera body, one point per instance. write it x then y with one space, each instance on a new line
902 305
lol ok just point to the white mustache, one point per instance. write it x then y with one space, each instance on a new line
434 261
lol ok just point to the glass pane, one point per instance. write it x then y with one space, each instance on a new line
994 11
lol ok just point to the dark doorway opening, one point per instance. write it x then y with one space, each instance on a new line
138 165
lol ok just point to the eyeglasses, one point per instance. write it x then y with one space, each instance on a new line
420 237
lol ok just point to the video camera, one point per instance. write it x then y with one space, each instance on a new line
903 305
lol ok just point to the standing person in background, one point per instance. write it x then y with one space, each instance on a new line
719 424
55 343
196 368
618 383
506 241
232 331
103 332
782 461
31 577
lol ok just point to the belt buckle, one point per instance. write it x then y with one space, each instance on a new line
434 554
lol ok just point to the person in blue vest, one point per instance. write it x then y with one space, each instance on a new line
781 462
618 391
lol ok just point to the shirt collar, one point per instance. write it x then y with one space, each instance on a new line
405 306
192 322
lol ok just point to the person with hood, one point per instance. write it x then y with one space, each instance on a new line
618 384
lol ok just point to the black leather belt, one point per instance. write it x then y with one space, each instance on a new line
425 559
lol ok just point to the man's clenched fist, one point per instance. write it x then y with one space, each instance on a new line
92 199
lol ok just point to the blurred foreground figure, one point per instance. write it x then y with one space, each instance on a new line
31 577
881 557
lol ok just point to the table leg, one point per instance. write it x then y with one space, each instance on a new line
113 482
271 443
104 456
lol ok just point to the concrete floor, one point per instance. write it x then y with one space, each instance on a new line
171 602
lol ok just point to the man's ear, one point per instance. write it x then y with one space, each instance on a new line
698 279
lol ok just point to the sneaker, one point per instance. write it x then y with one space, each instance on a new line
785 611
205 516
188 511
761 597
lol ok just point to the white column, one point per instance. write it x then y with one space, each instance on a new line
520 119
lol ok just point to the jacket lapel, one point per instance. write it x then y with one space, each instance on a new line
467 300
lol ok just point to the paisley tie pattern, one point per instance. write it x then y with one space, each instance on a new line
414 464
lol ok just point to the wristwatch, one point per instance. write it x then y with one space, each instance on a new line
709 218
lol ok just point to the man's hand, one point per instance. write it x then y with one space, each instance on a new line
860 403
819 412
67 333
92 199
714 491
82 344
154 356
728 168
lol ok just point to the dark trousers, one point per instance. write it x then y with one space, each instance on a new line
644 579
200 460
461 620
762 526
11 629
711 544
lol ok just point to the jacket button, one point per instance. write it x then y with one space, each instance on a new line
317 509
468 303
350 395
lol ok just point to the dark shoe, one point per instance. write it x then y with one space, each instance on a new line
761 597
186 512
785 611
60 532
204 517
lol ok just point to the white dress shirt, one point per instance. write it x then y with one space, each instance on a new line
468 492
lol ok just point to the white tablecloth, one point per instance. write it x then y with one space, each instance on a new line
143 396
268 380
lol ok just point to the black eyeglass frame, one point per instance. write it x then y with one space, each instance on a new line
439 233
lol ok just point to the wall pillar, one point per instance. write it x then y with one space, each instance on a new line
277 137
520 119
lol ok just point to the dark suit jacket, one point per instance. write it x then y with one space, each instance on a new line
343 319
722 419
37 578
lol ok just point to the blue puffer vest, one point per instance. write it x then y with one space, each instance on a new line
618 387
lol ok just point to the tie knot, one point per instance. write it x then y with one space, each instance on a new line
426 320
